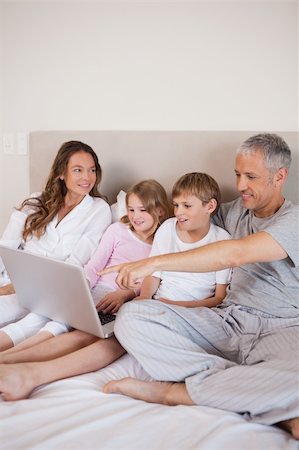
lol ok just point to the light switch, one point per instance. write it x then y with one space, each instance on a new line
22 143
8 143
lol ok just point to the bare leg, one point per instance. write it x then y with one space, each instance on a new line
18 380
162 392
49 349
292 426
29 342
5 341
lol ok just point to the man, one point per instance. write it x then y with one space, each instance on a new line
241 356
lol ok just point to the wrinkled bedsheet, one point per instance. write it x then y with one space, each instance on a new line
74 413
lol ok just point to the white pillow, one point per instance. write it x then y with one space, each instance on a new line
119 208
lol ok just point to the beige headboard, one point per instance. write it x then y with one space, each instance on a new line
127 157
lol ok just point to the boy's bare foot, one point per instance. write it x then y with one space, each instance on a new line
165 393
16 381
292 426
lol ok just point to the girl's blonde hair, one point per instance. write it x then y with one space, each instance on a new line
154 198
201 185
47 205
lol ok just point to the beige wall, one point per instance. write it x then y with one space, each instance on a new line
163 155
143 66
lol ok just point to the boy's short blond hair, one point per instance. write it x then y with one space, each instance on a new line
201 185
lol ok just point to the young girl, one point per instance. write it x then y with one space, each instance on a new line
130 239
127 240
65 222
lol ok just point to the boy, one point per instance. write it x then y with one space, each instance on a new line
196 197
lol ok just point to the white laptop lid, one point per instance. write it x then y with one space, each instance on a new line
54 289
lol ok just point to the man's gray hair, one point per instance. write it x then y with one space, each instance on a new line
275 150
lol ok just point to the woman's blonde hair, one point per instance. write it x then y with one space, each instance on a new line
201 185
48 203
154 198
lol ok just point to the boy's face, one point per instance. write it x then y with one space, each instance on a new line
191 213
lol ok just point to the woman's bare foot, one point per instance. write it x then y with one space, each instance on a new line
292 426
5 342
16 381
7 358
165 393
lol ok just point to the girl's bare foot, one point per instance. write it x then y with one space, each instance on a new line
162 392
16 381
292 426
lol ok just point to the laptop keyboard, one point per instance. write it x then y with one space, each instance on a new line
106 318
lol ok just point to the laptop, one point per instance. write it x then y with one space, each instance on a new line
55 289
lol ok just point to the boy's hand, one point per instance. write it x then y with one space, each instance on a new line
140 297
169 302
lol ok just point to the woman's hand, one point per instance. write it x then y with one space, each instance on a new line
8 289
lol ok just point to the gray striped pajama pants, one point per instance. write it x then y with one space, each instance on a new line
232 358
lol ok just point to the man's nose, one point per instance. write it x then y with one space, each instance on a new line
241 183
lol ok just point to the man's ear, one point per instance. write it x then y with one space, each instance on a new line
281 175
212 205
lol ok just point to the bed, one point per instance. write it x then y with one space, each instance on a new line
74 413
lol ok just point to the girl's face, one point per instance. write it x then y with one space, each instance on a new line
80 175
140 219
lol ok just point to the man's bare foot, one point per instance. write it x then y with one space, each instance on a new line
16 381
165 393
292 426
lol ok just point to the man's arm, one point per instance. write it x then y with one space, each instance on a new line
258 247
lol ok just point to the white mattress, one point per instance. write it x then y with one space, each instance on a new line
75 414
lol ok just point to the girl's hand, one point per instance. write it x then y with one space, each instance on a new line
114 300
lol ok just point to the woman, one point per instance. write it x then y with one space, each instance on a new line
130 239
65 222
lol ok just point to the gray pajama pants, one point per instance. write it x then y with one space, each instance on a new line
231 358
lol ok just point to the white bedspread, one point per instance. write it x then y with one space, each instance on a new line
75 414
